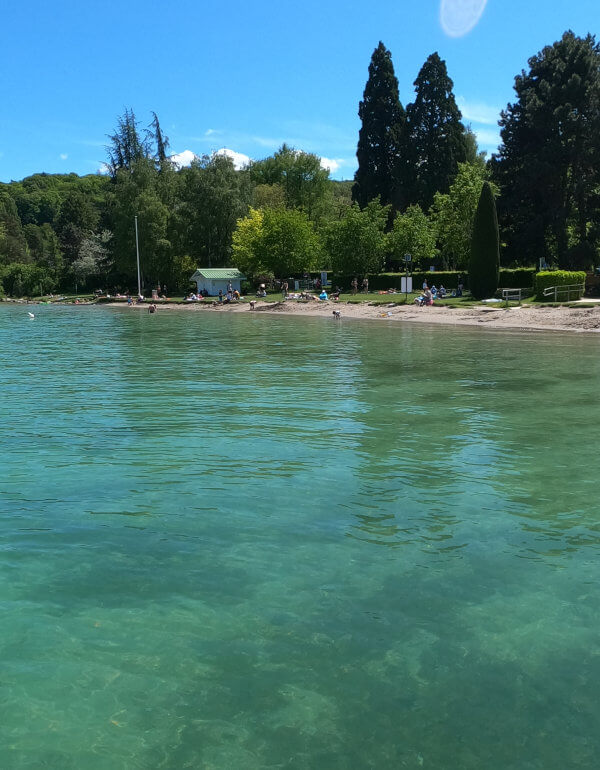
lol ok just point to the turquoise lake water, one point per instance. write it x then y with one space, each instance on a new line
245 542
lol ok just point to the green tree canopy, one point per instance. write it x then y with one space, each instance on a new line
300 176
437 138
453 214
547 166
380 140
280 241
356 243
246 252
289 243
413 234
213 196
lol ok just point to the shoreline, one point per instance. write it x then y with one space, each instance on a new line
522 318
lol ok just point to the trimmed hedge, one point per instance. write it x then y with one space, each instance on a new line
518 278
383 281
548 278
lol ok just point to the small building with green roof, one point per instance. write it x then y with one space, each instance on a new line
212 279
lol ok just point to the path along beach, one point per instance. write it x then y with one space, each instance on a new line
523 318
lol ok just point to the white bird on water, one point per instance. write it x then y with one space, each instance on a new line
31 315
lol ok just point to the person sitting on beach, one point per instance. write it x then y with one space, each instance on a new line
442 291
434 291
323 294
428 297
236 295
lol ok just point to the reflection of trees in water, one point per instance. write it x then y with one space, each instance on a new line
456 437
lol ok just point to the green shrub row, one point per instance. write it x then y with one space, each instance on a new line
517 278
383 281
547 278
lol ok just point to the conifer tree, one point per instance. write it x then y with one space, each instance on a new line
380 137
154 133
126 145
484 265
437 138
548 163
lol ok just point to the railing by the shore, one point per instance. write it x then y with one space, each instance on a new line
576 288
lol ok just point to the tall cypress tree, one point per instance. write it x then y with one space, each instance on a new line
437 138
484 265
379 141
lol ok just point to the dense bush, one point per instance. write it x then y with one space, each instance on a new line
518 278
21 279
548 278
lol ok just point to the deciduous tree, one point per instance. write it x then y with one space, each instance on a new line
413 233
356 243
300 176
453 213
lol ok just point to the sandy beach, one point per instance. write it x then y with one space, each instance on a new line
524 318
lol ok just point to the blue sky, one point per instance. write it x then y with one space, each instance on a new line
248 76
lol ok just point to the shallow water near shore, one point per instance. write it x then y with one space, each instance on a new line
261 542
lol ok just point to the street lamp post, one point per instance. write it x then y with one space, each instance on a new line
137 251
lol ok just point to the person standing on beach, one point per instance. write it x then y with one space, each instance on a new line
365 285
220 296
354 285
284 289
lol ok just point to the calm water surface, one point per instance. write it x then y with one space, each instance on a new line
249 542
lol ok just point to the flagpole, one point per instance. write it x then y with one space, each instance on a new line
137 251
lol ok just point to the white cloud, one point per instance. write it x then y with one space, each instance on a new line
487 139
181 159
211 132
332 164
270 143
478 112
64 156
239 159
458 17
102 169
